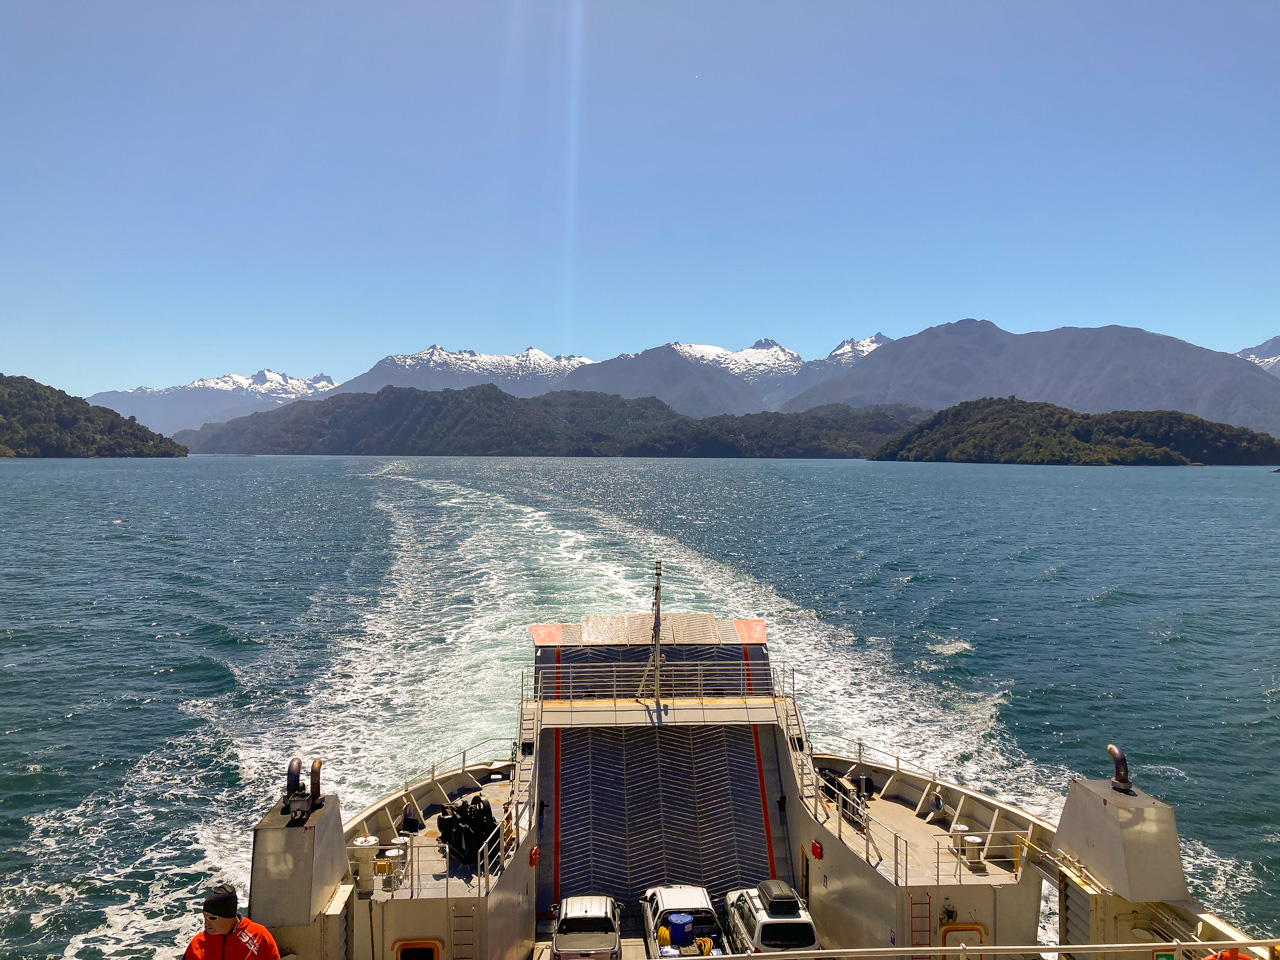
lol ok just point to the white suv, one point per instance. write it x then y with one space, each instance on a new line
768 919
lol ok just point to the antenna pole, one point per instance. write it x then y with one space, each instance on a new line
657 633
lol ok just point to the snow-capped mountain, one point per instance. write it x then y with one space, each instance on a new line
525 374
775 373
853 350
813 372
211 400
1266 355
763 360
686 380
265 383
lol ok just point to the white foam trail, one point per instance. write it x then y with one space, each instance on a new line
154 889
524 565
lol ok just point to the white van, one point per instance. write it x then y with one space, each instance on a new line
769 918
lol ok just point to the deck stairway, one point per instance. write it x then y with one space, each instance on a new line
526 739
642 806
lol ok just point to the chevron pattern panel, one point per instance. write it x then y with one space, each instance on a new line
643 806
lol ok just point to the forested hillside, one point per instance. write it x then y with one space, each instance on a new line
40 421
1015 431
484 421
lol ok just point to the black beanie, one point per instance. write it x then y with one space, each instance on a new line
221 901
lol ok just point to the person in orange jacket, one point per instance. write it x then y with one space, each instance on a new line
228 936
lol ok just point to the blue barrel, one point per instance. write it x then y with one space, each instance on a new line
681 929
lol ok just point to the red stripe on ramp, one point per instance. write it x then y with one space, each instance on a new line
764 800
555 845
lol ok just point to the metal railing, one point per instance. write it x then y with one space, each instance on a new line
485 752
398 863
866 753
956 854
391 866
1181 949
808 781
877 837
627 681
501 845
402 863
971 852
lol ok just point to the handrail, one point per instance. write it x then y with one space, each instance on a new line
855 811
429 772
899 763
491 858
1013 841
811 786
630 681
1261 948
501 844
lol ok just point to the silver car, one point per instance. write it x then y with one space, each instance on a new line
587 927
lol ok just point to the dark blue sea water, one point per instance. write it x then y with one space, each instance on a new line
171 632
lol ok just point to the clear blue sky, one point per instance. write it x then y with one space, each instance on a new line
192 189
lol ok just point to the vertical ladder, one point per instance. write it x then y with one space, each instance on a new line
463 932
921 923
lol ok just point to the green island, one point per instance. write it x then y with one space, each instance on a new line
41 421
484 421
1009 430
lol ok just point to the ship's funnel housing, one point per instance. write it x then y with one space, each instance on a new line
1127 840
299 857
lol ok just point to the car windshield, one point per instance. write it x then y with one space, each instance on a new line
787 935
571 925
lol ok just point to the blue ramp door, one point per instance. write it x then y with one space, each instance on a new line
640 806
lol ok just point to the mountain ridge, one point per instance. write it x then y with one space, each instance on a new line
690 386
706 380
168 409
524 374
484 421
1266 355
1089 369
